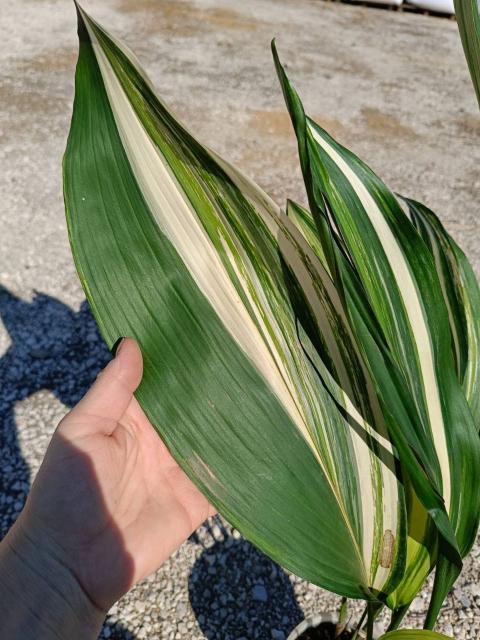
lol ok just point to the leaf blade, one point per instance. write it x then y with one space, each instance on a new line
142 272
461 293
414 634
400 284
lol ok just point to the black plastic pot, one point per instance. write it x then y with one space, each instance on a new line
328 620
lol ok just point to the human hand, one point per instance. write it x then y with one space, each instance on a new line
109 503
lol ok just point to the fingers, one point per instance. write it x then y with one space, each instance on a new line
112 392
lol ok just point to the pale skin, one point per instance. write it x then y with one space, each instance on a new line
109 505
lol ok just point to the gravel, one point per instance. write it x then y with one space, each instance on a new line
392 86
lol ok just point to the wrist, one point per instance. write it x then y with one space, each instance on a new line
39 595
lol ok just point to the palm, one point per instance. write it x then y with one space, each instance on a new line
111 498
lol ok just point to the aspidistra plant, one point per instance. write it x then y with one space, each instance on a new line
314 372
412 278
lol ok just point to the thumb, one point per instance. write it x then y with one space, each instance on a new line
113 389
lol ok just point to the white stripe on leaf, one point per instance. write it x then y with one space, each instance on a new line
284 370
412 304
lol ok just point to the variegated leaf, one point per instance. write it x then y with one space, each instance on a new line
400 284
461 293
252 374
422 534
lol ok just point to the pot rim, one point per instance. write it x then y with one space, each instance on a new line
314 621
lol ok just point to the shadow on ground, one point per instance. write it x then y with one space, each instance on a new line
237 593
54 348
233 587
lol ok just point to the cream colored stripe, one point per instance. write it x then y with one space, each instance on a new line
438 263
292 242
367 464
180 224
409 293
127 52
472 342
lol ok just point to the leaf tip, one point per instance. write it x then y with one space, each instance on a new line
81 25
276 58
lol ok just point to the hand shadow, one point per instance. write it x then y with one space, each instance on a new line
54 348
238 593
58 349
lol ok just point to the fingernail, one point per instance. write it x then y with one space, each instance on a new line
120 344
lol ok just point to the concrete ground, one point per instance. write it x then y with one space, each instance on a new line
392 86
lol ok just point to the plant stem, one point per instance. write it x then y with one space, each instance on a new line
373 610
342 618
360 624
370 620
397 617
342 614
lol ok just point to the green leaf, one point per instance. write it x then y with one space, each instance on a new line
410 360
468 17
461 293
303 219
252 374
414 634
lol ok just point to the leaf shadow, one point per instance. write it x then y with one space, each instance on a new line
304 325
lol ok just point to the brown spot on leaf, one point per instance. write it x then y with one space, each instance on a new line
387 550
